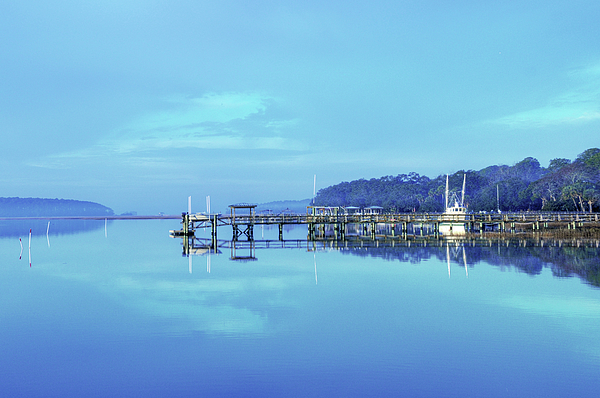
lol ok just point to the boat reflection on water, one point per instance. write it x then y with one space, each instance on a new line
528 255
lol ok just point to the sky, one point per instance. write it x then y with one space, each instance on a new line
139 104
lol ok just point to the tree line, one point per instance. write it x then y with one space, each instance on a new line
565 185
564 261
38 207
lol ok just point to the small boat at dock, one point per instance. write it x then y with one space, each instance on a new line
454 219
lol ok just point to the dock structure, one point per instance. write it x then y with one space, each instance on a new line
242 224
342 228
333 223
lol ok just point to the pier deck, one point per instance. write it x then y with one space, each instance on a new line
395 224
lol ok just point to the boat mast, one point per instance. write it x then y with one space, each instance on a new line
446 191
462 199
498 198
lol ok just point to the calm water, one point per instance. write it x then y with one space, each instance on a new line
117 312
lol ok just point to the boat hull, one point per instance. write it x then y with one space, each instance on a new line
453 228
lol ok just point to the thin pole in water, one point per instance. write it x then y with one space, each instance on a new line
315 259
29 247
448 258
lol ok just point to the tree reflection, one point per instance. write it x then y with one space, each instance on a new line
565 258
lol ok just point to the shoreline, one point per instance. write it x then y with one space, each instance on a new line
165 217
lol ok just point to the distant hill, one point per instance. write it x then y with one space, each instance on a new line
37 207
296 206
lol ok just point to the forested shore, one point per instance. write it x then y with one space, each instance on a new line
565 185
39 207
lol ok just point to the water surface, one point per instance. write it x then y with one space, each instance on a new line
116 311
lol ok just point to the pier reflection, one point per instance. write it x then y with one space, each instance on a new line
565 257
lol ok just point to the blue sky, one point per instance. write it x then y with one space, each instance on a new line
139 104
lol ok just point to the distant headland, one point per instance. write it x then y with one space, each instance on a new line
39 207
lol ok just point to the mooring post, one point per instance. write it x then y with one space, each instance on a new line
186 245
185 223
213 232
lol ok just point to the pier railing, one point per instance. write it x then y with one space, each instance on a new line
203 220
344 228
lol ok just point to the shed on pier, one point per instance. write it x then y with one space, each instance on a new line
351 210
242 206
371 210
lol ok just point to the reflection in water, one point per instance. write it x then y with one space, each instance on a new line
565 257
207 261
17 228
10 228
455 251
315 260
123 314
448 258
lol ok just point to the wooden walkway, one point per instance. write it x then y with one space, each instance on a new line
393 224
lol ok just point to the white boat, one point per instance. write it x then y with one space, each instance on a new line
454 219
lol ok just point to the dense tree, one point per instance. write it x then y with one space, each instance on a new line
564 186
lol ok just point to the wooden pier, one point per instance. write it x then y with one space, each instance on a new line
242 220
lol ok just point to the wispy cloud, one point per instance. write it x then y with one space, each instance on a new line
556 307
214 121
579 105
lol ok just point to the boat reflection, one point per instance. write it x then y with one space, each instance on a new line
565 257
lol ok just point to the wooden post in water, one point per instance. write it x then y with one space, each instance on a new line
186 245
213 232
186 224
